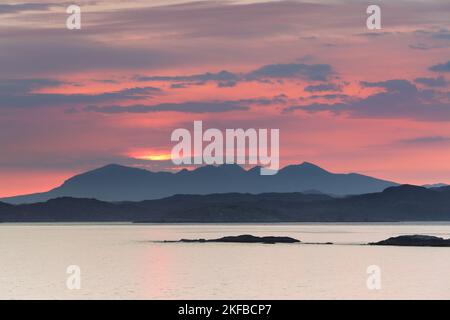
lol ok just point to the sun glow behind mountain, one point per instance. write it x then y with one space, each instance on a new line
154 157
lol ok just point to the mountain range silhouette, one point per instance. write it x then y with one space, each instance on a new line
120 183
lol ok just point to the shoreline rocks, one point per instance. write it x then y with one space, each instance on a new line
246 238
404 241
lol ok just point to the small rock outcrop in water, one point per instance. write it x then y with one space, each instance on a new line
246 239
414 241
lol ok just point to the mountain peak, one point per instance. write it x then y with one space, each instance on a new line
306 164
117 169
304 167
107 174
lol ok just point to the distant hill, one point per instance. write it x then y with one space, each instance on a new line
435 185
120 183
402 203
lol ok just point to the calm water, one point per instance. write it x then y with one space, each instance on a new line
122 262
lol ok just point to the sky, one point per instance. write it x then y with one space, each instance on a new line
346 98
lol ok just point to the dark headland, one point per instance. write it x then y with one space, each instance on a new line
414 241
394 204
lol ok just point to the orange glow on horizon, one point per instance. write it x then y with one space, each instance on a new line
154 157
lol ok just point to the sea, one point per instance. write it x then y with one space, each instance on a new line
132 261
